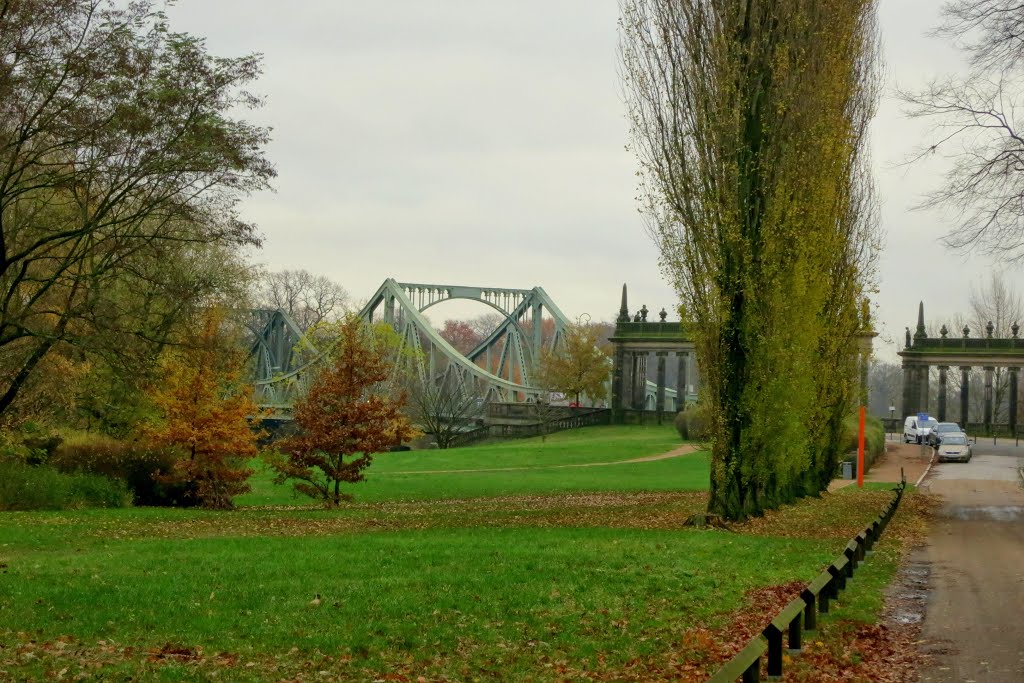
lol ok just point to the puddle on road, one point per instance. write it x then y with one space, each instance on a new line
908 594
908 618
997 513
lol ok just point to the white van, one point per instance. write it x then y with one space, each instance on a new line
916 428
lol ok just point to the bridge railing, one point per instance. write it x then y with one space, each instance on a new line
581 417
577 417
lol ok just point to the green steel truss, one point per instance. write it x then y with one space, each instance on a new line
282 360
502 366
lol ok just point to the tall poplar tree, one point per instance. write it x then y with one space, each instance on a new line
749 121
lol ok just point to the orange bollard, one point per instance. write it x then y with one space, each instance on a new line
860 451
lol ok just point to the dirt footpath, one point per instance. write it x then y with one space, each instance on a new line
973 630
910 460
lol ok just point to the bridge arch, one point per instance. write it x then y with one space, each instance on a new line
503 365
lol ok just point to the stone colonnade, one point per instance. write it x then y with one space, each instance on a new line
915 390
635 341
629 381
948 352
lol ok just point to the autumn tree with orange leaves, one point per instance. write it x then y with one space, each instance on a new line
347 416
206 408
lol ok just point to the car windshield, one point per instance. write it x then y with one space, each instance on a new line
954 440
943 427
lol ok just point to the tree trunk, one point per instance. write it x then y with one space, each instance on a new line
23 374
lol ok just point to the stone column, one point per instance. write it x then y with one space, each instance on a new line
640 381
965 387
659 404
1013 400
694 373
618 372
629 390
681 391
922 386
942 392
909 390
988 399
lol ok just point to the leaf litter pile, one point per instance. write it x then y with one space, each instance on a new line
847 649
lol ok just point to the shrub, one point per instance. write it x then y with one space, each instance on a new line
143 469
874 438
30 444
24 487
691 422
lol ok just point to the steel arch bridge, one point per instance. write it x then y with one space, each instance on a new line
501 367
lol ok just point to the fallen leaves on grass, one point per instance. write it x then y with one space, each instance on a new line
844 651
839 515
875 653
175 653
612 510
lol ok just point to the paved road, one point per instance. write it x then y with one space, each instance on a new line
974 624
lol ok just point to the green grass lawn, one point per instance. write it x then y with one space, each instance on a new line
544 573
521 467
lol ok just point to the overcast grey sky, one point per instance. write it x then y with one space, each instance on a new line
480 142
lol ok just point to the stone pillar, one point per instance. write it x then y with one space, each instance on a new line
618 375
694 373
681 390
629 388
988 399
659 404
942 392
1013 400
909 390
965 387
640 381
922 386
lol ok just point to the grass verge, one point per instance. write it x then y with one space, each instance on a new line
555 582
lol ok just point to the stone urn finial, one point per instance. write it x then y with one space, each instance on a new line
967 332
662 314
989 328
643 313
943 332
1015 328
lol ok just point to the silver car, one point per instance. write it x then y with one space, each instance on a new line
940 430
954 447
